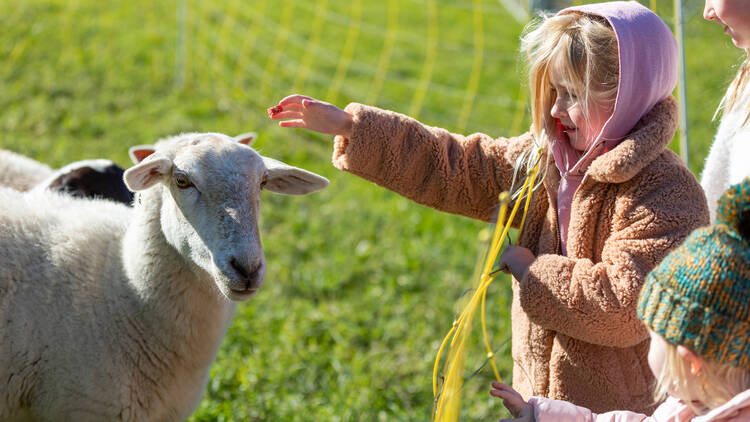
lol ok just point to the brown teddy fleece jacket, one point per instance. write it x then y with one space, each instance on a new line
576 336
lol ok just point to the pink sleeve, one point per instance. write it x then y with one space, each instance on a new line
548 410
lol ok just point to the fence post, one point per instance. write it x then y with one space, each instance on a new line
682 81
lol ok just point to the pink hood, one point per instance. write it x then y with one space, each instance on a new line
648 74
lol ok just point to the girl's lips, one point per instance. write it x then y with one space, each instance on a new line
563 129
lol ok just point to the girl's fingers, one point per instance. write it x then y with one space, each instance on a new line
293 123
287 115
505 392
311 102
277 112
295 98
503 266
292 107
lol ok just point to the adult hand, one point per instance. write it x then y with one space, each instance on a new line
520 409
308 113
516 260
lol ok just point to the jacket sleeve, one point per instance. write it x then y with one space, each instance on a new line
715 176
596 301
452 173
548 410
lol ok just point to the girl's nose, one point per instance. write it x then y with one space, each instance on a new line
557 110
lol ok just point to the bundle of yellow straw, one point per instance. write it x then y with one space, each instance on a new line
448 398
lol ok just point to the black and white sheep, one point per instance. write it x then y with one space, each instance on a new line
98 178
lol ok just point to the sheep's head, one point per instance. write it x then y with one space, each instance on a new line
210 202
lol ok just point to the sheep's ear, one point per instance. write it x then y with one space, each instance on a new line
139 153
246 138
147 173
289 180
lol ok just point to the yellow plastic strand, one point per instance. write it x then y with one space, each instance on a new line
447 397
448 400
490 352
528 195
437 360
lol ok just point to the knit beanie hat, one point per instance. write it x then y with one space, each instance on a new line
699 295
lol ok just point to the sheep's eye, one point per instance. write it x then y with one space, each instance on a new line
182 181
264 181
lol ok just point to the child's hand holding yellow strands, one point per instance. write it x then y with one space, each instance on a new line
516 260
516 405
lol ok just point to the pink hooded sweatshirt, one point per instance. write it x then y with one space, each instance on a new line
672 410
647 76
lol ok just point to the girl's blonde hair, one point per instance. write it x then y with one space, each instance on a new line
718 382
734 92
584 48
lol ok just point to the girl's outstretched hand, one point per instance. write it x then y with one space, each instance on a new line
521 410
309 113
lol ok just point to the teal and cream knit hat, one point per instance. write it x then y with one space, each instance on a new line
699 295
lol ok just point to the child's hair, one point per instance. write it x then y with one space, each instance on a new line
584 47
734 92
718 382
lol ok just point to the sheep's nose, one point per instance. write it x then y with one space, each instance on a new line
250 274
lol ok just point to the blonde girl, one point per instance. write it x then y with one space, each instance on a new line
727 162
612 202
696 306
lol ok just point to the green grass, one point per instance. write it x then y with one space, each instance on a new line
362 284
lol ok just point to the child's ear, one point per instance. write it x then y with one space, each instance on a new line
694 362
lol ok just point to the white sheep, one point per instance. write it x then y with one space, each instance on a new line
115 313
20 172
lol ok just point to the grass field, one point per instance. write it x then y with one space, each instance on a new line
362 284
